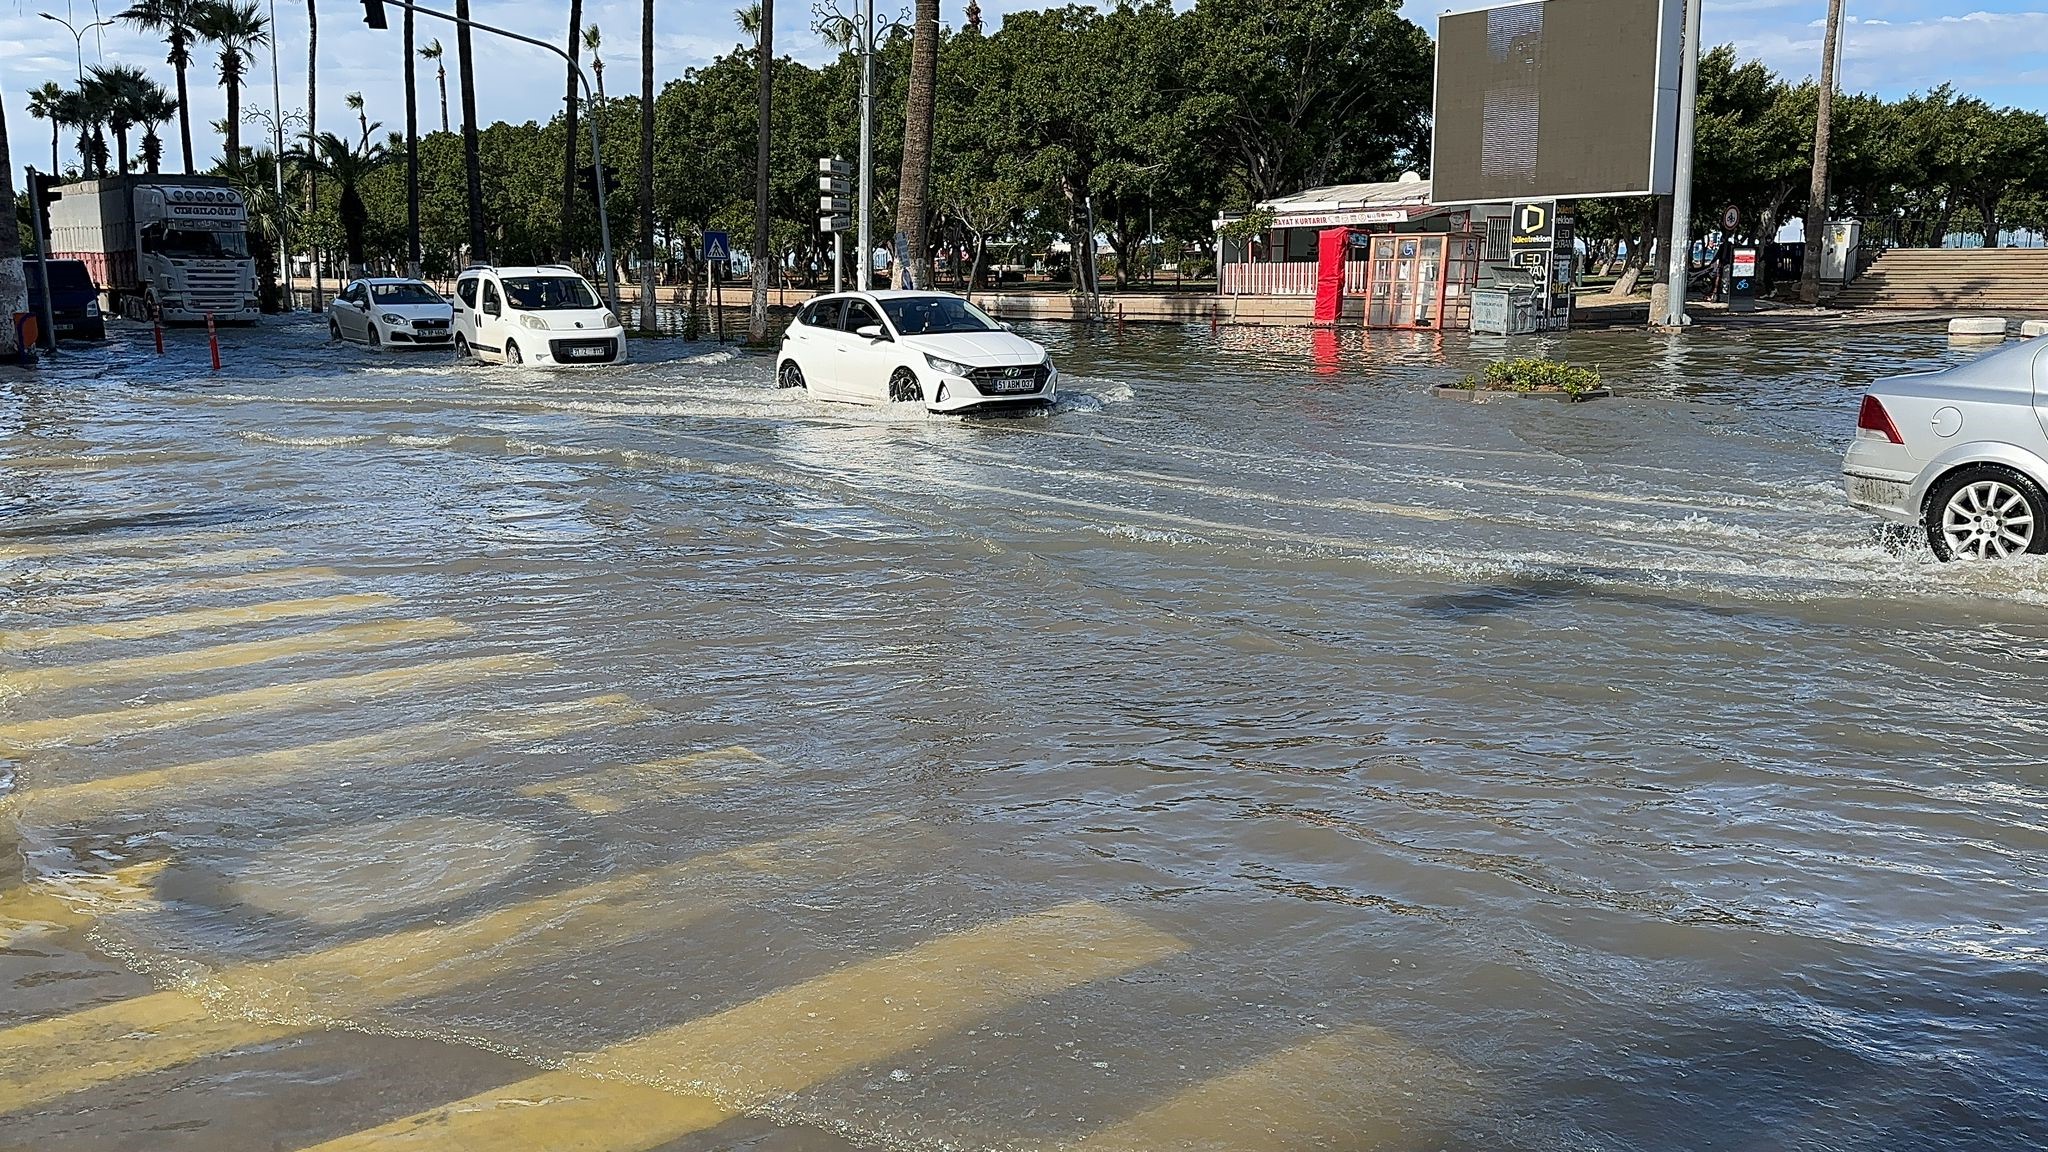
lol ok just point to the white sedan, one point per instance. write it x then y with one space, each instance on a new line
1961 452
931 348
387 311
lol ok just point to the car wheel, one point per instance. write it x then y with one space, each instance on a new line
790 376
333 329
461 347
1986 512
376 341
903 387
98 331
512 355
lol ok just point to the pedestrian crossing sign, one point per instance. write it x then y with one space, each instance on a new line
717 246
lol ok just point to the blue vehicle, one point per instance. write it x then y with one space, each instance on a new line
74 298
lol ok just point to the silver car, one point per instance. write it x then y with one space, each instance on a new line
1962 452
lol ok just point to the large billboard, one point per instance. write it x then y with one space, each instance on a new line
1555 99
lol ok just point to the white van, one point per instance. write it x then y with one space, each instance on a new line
540 315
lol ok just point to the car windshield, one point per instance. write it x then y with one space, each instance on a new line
404 294
549 293
192 244
65 276
936 316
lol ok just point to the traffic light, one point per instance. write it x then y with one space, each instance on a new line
373 14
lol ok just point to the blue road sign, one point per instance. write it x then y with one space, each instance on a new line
717 246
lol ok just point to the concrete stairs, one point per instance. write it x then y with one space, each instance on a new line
2002 281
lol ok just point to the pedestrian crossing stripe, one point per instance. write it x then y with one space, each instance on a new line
146 627
609 790
227 558
220 657
74 900
171 590
114 544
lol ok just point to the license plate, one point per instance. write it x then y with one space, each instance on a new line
1020 384
586 353
1885 493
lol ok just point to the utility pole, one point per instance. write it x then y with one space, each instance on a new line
1679 259
1823 129
284 247
757 316
865 236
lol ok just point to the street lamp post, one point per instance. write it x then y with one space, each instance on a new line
77 38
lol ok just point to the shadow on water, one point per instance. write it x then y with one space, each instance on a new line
174 518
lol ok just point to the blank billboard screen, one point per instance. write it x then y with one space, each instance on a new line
1555 99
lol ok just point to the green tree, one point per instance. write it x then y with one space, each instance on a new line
349 167
238 29
47 103
175 21
914 184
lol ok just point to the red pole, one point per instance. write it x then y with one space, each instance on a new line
1215 322
213 341
156 323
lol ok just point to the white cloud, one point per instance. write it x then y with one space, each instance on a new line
1974 51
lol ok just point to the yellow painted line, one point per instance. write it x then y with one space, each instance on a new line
721 1065
610 790
73 803
1356 1088
74 900
142 628
222 559
155 593
253 1003
115 544
349 637
95 726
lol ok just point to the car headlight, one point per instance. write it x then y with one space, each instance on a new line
533 322
392 318
92 308
611 321
948 367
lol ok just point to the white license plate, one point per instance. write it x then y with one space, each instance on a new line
586 353
1887 493
1020 384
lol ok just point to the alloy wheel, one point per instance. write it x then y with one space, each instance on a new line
1988 520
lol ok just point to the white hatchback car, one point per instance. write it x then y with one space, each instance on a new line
540 315
387 311
925 347
1962 453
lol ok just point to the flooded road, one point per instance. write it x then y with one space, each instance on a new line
1250 753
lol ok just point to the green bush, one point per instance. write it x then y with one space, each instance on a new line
1533 374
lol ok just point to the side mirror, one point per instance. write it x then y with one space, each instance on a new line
871 332
1006 326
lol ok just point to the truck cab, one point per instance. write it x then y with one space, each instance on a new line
175 246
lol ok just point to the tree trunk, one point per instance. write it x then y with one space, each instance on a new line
757 316
234 125
569 152
1987 211
121 150
412 157
1823 128
13 279
441 76
472 163
185 97
54 127
647 165
915 180
312 128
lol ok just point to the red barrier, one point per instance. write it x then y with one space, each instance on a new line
156 323
213 341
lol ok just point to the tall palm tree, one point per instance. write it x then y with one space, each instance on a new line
472 162
123 87
646 166
239 30
593 40
433 52
354 100
764 50
412 156
95 106
156 109
47 103
571 98
348 167
173 19
1823 128
916 177
312 126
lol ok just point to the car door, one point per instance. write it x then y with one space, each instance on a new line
465 315
346 315
865 363
816 345
490 319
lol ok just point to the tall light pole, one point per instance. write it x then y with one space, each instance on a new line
1678 266
866 9
77 39
284 248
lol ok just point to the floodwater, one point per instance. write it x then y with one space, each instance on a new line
1249 754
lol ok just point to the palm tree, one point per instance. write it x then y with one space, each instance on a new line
472 162
412 156
349 167
155 109
354 100
764 44
269 216
174 20
312 125
646 166
749 21
239 30
569 158
433 52
916 176
95 105
593 40
123 88
1823 127
47 103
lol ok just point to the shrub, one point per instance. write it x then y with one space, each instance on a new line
1533 374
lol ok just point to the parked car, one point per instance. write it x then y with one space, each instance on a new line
1963 453
539 315
932 348
74 298
391 311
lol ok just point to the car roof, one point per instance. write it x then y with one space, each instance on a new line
895 294
391 280
535 270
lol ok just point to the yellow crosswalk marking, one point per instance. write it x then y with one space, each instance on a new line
145 627
115 544
257 1002
96 726
783 1042
1359 1088
610 790
74 803
222 656
73 900
223 559
154 593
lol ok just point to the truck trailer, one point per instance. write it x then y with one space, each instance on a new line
175 246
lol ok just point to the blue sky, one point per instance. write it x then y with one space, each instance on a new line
1996 50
